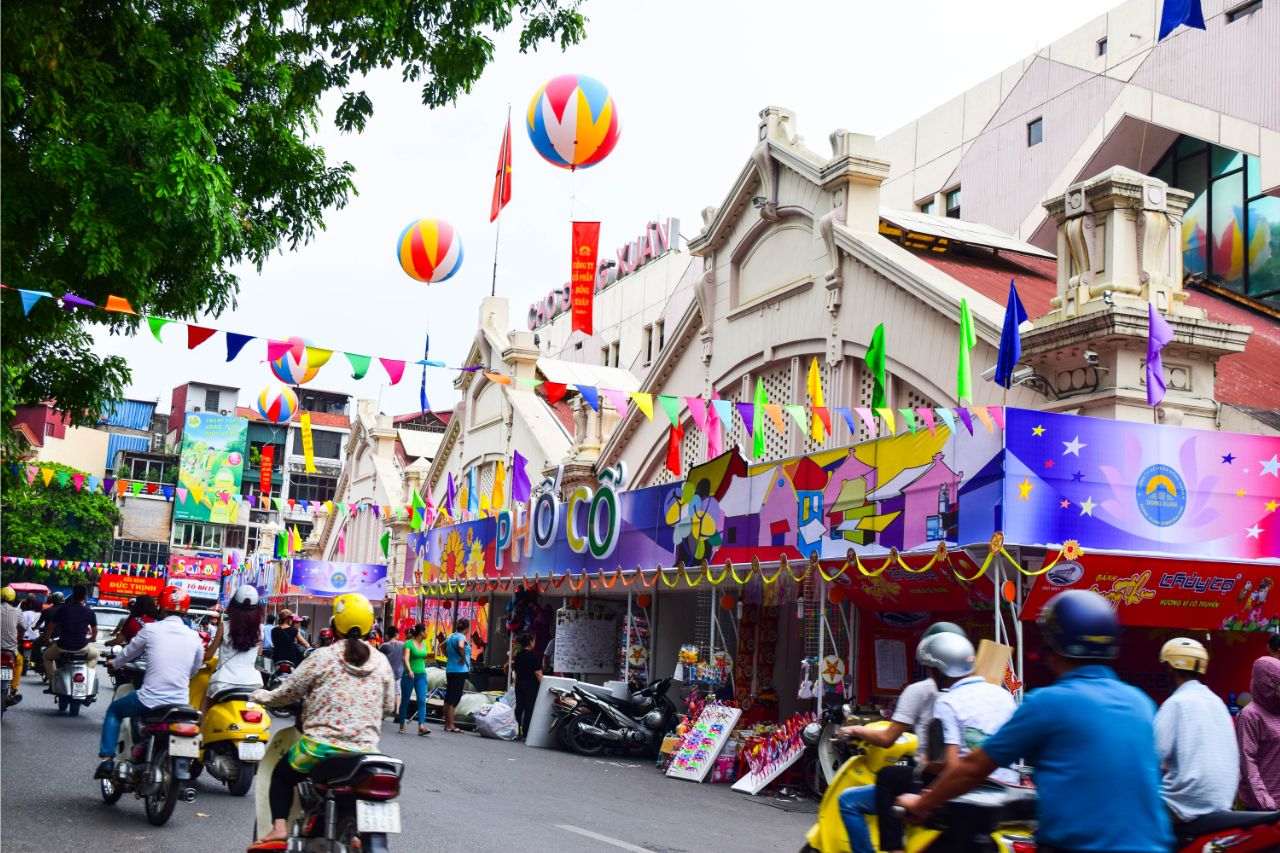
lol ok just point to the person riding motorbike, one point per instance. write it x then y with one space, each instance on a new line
142 611
346 692
1089 737
174 655
237 648
1195 738
71 627
11 636
913 711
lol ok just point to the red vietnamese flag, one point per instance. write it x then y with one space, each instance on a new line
502 180
582 279
266 460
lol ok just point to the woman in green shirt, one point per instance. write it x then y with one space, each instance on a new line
414 680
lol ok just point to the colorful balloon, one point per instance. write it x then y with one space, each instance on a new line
295 366
573 122
429 250
277 403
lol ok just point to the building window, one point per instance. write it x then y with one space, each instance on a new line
325 445
1102 46
1035 133
1231 230
134 551
648 344
309 487
661 327
149 471
953 203
212 401
928 206
193 534
615 353
604 356
235 538
1244 10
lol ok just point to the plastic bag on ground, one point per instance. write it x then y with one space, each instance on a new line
497 721
509 698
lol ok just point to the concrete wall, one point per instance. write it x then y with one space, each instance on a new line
83 448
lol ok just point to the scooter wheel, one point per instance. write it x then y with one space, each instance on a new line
73 708
111 791
243 781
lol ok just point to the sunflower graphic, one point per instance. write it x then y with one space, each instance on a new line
453 560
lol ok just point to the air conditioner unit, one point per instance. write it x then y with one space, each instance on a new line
197 409
224 412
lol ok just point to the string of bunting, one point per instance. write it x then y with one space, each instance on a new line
671 576
144 570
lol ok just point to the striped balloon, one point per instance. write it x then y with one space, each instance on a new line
429 250
572 121
277 403
293 367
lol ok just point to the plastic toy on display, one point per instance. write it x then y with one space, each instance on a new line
573 122
429 251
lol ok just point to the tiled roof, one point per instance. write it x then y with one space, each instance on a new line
28 434
1248 378
320 419
444 417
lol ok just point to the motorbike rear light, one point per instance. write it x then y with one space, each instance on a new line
7 658
379 786
310 827
251 716
185 729
78 678
1023 847
156 729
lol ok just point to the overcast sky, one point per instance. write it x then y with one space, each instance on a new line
688 80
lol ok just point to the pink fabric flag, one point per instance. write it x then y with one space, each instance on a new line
926 415
78 479
618 399
714 444
351 508
32 471
698 408
182 495
394 368
342 540
868 420
997 415
277 349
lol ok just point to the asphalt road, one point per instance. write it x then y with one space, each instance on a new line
461 793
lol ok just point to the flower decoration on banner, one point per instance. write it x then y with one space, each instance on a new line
429 251
572 121
277 403
291 360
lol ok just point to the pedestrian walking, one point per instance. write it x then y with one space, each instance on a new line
413 679
456 669
1258 728
526 666
393 648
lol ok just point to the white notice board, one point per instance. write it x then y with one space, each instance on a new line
586 641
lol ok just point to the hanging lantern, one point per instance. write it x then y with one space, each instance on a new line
726 602
643 600
836 594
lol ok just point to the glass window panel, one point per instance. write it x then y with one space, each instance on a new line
1165 170
1263 248
1223 160
1195 241
1191 174
1190 145
1253 175
1226 237
1035 132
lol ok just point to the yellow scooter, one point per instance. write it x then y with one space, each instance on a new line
233 734
828 834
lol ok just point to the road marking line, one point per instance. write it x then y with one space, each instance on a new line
606 839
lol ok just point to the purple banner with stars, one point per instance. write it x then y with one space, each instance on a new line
1140 488
323 579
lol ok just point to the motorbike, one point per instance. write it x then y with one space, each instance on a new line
564 710
75 683
637 725
233 733
343 806
8 660
156 753
824 752
1239 832
1011 809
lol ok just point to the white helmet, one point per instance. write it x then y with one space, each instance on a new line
950 654
246 596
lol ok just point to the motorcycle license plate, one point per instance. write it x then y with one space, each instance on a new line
6 674
377 817
184 747
251 751
79 689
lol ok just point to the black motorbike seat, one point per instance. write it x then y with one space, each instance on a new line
342 768
229 694
171 714
1215 821
73 657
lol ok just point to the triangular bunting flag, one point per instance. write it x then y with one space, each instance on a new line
93 483
118 304
947 418
984 416
799 415
774 411
30 298
724 412
156 324
886 415
554 391
32 473
823 415
168 492
78 479
926 417
235 343
497 378
698 411
182 496
997 415
196 335
747 412
359 364
317 357
277 349
47 475
385 542
64 477
847 414
671 406
528 382
137 488
617 399
909 417
644 402
590 395
394 368
964 417
107 485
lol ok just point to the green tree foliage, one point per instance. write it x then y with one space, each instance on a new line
149 148
55 521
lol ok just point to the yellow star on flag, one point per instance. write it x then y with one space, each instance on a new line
1024 489
1271 506
1037 431
1239 493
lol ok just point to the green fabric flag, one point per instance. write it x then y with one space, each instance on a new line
964 370
910 417
798 415
528 381
156 324
671 406
875 363
385 542
757 428
280 548
359 364
279 502
64 477
137 487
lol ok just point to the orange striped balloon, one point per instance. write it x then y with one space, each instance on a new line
429 250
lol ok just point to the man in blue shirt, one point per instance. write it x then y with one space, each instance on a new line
1089 737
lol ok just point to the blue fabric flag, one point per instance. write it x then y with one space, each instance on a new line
520 486
422 391
591 394
235 343
1010 341
1176 13
473 493
30 298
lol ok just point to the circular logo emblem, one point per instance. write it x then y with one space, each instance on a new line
338 580
1065 573
193 421
1162 496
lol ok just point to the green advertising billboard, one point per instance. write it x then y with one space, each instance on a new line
211 465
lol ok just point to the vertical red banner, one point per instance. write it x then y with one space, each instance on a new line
264 466
586 243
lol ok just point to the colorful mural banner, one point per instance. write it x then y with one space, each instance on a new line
1140 488
210 467
1157 592
438 618
907 492
324 579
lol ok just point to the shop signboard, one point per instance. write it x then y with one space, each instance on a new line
200 576
1141 488
210 468
1153 592
128 586
325 579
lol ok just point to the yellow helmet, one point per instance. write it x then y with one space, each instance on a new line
1185 654
8 594
352 610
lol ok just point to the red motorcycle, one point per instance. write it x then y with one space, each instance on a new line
1239 832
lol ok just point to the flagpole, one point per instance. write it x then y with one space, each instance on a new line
497 234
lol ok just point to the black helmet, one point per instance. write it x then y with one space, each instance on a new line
1081 625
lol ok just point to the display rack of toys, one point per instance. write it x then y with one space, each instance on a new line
633 648
768 757
522 610
703 741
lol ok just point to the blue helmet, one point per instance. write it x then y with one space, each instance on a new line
1081 625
